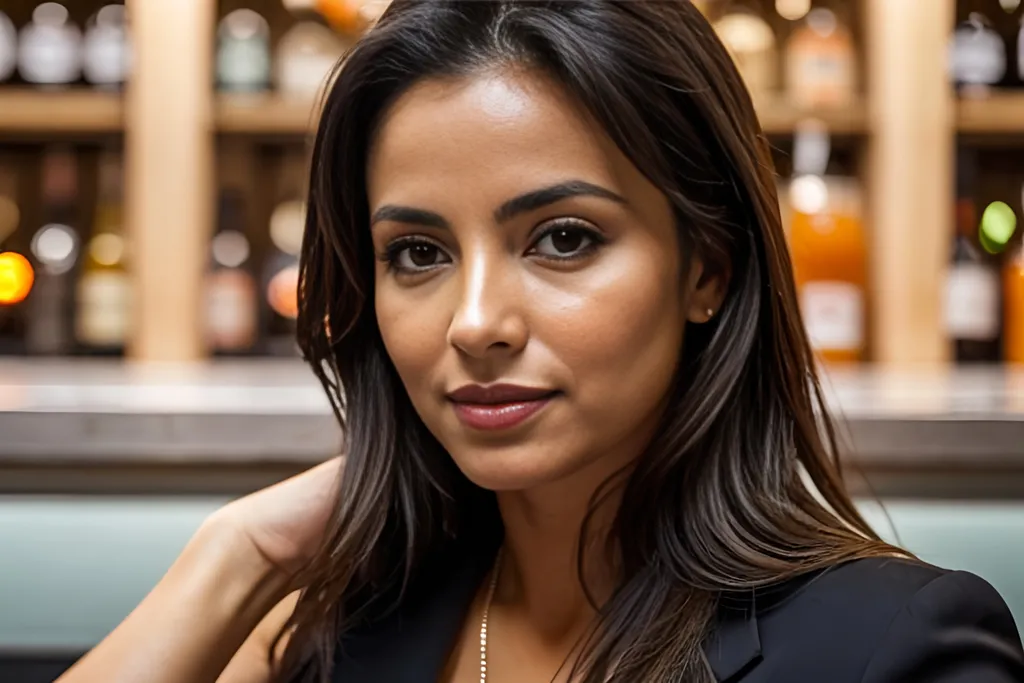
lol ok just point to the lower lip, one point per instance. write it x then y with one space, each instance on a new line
498 416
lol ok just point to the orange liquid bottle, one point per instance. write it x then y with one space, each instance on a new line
829 252
1013 302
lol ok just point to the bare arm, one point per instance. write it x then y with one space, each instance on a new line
192 623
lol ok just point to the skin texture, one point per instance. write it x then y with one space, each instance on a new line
471 296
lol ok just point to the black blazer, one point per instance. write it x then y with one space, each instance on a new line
866 621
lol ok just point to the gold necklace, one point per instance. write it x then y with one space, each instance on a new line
483 621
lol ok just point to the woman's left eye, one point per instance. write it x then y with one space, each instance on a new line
566 242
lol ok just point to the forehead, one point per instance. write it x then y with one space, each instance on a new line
498 132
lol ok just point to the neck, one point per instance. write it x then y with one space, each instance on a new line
540 572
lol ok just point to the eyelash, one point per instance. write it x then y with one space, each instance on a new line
397 246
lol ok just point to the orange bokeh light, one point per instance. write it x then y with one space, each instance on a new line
16 278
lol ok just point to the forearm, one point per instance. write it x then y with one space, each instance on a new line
190 625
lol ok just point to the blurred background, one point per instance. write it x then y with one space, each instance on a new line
152 171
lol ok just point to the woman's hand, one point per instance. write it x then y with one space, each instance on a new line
285 523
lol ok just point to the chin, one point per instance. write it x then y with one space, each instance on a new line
517 467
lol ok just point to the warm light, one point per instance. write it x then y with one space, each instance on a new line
287 224
283 292
808 194
1009 5
230 248
792 9
16 278
55 246
106 249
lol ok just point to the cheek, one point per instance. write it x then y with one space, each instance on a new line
414 335
623 338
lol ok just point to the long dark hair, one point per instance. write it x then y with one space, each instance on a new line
720 500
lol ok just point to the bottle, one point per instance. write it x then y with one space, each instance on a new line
230 289
281 270
305 56
977 56
753 46
104 294
243 52
8 47
972 281
829 254
1013 299
106 55
50 48
828 248
350 17
55 248
16 272
821 62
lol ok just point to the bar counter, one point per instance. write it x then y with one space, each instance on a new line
86 414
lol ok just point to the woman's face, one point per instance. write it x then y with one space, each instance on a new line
529 282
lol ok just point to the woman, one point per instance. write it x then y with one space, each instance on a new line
546 287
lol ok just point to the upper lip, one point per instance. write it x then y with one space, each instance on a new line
498 393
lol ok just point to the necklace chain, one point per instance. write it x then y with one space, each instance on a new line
483 620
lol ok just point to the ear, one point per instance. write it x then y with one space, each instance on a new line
707 289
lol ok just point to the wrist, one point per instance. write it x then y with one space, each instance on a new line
228 573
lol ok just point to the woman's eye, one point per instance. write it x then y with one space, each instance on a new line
415 257
566 242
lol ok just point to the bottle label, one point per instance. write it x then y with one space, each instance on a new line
230 310
50 54
834 315
243 64
822 78
104 305
972 302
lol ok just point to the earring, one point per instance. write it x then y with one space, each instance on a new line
711 313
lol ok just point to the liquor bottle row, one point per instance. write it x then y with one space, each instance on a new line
65 257
64 288
251 58
804 48
51 50
982 294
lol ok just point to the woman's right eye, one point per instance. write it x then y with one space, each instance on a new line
415 257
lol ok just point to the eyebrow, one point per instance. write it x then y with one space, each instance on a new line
524 203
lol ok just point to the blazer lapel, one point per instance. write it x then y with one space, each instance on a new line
734 646
411 646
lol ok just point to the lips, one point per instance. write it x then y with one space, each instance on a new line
498 406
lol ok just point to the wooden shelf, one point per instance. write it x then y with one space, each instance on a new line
264 114
271 114
1000 113
779 117
24 110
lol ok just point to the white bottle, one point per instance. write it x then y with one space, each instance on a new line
977 55
50 50
243 52
8 47
106 59
305 57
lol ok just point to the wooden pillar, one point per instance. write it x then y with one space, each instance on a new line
910 175
169 159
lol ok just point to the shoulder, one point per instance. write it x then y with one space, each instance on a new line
887 620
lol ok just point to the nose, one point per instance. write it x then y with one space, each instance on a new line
488 320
